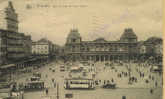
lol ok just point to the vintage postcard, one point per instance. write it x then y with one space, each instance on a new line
81 49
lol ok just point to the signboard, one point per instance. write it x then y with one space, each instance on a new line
69 95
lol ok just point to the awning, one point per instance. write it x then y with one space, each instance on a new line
7 66
24 61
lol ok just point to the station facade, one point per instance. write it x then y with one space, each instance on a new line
101 49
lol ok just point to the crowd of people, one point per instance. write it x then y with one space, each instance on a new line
135 74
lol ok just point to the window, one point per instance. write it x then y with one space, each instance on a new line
73 48
82 48
73 40
88 49
46 52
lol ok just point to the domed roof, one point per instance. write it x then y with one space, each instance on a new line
74 34
100 39
128 33
44 40
154 40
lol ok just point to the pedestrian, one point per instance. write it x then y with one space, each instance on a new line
143 75
108 81
156 84
136 80
46 91
151 91
100 81
54 84
117 75
130 79
96 82
123 97
116 70
112 80
126 74
22 94
104 82
152 77
52 79
147 81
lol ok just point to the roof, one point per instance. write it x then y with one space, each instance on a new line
140 43
106 42
78 78
128 33
7 66
74 34
100 40
33 82
154 40
42 41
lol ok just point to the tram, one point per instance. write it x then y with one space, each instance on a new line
79 83
34 85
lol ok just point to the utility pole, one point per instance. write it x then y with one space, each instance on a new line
57 91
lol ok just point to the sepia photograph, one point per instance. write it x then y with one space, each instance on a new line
81 49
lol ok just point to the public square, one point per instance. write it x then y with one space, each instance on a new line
81 49
139 90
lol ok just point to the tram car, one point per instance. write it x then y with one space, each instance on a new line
79 83
34 85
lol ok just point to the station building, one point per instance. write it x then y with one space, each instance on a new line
101 49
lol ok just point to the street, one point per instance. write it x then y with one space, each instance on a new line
141 92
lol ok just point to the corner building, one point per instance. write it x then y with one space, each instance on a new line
100 49
44 48
14 46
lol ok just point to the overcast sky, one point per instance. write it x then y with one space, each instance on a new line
93 18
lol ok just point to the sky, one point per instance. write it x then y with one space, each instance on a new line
53 19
